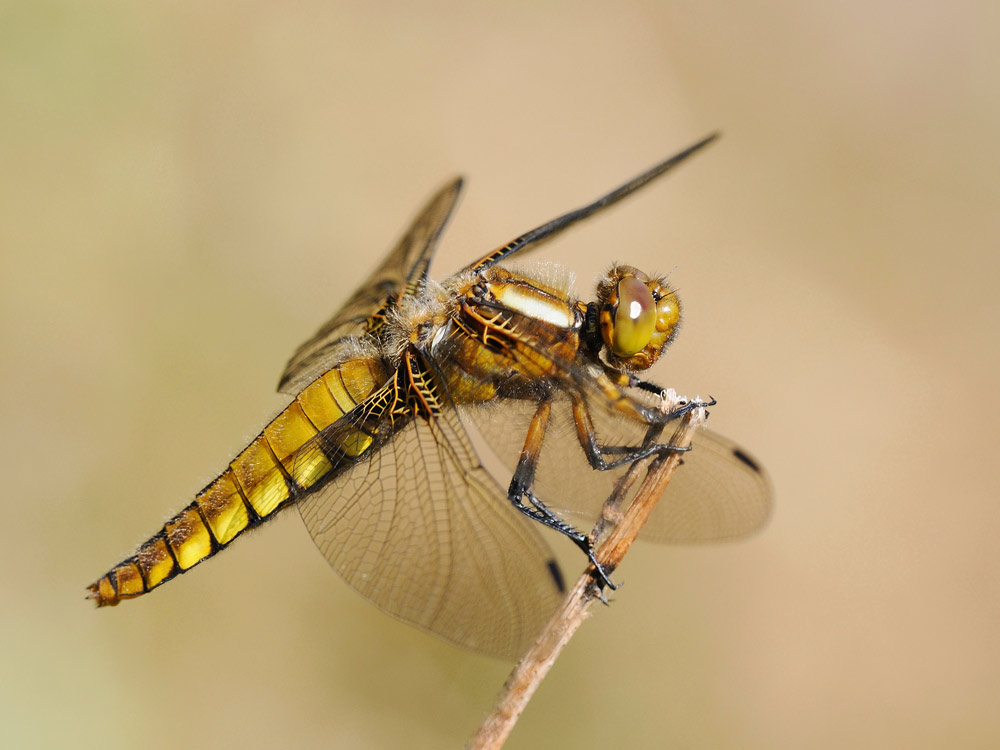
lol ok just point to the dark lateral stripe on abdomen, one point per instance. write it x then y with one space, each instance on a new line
267 475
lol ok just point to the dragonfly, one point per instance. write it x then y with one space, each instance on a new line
375 449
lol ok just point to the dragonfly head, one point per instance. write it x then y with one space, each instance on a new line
637 315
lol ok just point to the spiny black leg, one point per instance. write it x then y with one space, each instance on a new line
631 381
652 415
631 455
684 404
645 385
523 480
581 539
618 450
539 512
683 409
596 452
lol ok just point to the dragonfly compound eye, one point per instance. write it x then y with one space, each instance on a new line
635 319
638 317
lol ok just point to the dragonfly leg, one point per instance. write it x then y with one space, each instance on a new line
645 385
521 486
613 385
628 380
537 511
596 453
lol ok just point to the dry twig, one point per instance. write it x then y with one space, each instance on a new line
535 664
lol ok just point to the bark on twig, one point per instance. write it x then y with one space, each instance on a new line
535 664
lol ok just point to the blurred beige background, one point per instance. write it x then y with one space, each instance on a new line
187 192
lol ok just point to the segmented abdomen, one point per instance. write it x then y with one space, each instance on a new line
263 478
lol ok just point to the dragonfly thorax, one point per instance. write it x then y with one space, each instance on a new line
417 319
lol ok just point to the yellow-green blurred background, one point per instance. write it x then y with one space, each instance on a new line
188 189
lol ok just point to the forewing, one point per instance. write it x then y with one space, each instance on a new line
550 229
406 266
423 531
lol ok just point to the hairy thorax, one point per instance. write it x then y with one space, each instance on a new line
504 333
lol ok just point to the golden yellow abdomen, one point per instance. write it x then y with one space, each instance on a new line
264 477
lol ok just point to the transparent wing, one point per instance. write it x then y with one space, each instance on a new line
422 530
719 492
406 266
